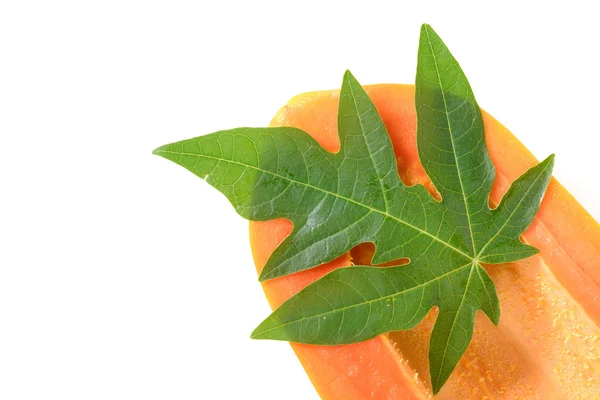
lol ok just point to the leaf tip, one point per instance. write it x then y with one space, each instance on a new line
437 379
429 35
495 316
159 150
348 77
534 251
265 275
426 28
548 164
256 334
264 330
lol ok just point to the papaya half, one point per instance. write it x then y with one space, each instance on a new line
547 344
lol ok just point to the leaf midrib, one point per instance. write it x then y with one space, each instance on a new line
386 214
511 215
359 115
462 189
462 300
382 298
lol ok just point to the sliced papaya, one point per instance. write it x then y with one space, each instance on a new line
547 344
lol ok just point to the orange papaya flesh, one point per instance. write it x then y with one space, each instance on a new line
547 344
352 371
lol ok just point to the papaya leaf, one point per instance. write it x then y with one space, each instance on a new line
337 201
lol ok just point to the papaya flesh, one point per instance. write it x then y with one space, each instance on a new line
547 345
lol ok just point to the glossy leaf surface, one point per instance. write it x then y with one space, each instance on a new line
337 201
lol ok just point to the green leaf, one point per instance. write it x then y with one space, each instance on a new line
337 201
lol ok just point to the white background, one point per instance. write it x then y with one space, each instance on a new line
123 276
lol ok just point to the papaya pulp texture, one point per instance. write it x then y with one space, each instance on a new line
547 345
